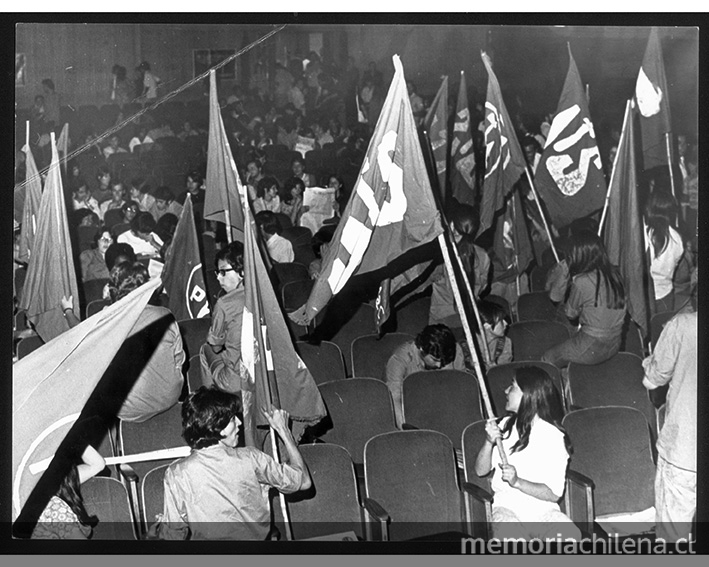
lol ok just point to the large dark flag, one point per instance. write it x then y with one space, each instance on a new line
623 231
653 104
30 208
50 272
222 193
276 374
569 176
462 150
392 208
436 124
504 160
182 273
512 245
51 385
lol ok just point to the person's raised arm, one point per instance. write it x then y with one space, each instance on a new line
278 419
68 310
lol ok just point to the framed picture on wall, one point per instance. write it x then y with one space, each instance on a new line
204 59
20 69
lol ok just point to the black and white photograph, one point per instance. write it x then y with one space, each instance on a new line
305 283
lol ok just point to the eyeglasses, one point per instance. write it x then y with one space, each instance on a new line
104 239
223 272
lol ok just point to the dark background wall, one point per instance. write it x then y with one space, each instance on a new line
530 61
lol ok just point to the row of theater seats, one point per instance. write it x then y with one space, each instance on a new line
407 482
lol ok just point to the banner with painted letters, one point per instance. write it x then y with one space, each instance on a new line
183 274
391 209
504 160
569 177
462 150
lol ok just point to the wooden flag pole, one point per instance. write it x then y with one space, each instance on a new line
469 338
669 163
615 161
541 213
485 349
514 243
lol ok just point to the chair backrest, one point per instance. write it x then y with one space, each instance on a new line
500 377
538 277
612 447
370 353
152 493
93 289
27 345
298 235
471 442
112 217
411 316
530 339
287 272
295 294
331 505
358 409
194 334
617 381
324 360
163 431
360 323
284 220
107 499
194 373
412 474
442 400
536 306
657 323
96 305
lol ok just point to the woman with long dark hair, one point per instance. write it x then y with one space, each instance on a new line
665 244
64 516
528 488
596 297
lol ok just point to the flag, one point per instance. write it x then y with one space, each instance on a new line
33 198
63 145
51 385
624 233
436 124
221 183
50 272
512 246
462 151
391 209
182 273
361 118
653 104
504 160
569 176
275 372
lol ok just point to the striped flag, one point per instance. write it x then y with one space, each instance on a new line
569 177
33 197
653 104
623 233
504 160
436 124
182 273
275 373
462 151
222 195
50 272
391 209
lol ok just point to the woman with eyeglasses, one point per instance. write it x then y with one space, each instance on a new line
93 261
220 356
